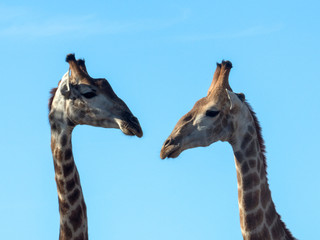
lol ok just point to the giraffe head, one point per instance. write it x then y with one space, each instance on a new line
85 100
212 118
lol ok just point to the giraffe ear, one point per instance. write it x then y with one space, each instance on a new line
66 86
235 99
65 90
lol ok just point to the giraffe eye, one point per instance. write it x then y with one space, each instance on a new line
89 94
210 113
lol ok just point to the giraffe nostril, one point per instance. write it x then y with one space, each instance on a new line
167 142
134 119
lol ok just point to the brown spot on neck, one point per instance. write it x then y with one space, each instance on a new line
263 234
253 220
250 181
65 232
74 196
251 151
246 139
76 218
251 200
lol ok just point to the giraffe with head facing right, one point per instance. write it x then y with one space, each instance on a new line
226 116
80 99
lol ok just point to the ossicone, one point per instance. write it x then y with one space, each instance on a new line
70 57
226 64
81 63
78 73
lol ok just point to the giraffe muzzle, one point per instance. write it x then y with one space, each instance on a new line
131 127
170 149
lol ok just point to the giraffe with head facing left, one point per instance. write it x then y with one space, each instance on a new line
226 116
80 99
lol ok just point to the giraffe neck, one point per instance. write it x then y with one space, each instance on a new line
258 216
72 208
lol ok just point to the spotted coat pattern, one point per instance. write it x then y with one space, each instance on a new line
72 207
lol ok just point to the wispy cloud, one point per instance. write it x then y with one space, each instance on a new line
25 22
28 23
59 26
248 32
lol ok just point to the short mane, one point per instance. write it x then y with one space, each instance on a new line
52 94
259 133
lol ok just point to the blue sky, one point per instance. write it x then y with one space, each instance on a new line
159 57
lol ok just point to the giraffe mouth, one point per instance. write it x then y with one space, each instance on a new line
172 151
131 129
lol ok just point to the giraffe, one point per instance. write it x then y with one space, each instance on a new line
226 116
80 99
